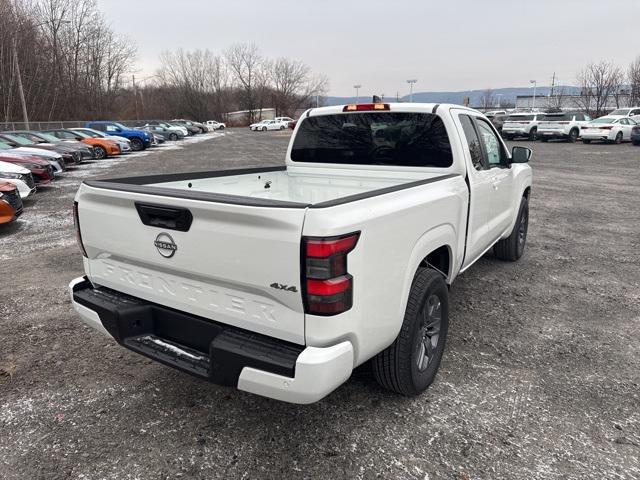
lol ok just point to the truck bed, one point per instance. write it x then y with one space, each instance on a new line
275 186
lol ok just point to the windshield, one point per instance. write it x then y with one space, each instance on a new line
556 117
19 140
399 139
49 138
604 120
621 111
521 118
80 134
5 146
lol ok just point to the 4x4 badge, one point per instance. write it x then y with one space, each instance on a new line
280 286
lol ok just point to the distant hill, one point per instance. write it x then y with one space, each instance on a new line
507 95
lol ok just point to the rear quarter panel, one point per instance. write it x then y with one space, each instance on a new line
397 230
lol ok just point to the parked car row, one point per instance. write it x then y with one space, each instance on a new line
278 123
619 126
29 159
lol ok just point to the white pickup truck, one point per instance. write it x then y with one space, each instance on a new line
281 280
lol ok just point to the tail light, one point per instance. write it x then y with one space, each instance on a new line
327 285
583 128
361 107
76 224
606 128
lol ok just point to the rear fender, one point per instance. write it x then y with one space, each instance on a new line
442 235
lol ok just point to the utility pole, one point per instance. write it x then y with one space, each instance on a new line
25 117
135 96
411 83
553 84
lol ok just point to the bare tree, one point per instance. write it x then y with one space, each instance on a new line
487 99
557 100
633 78
598 83
247 68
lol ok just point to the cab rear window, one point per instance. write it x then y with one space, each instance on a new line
390 138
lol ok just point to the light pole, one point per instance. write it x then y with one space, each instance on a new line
411 83
357 87
535 84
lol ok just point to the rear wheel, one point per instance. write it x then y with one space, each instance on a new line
100 152
618 138
533 134
512 247
136 144
573 135
264 129
410 364
173 137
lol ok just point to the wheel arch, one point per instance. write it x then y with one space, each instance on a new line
435 249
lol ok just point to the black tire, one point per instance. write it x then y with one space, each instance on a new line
221 128
636 143
136 144
397 367
584 140
173 137
512 247
573 135
544 139
533 134
264 129
618 138
281 127
100 152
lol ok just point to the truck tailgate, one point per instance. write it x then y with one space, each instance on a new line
236 264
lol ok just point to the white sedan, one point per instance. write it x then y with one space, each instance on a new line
608 129
213 125
265 125
19 176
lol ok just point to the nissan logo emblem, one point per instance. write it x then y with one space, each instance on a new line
165 245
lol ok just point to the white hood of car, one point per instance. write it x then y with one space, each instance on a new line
115 138
12 168
34 151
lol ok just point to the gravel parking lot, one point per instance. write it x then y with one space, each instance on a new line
541 377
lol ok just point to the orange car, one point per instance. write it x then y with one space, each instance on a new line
102 147
10 202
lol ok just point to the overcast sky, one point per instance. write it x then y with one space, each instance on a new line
448 45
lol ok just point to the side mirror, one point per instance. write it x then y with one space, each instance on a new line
520 154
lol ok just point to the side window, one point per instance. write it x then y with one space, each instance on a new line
579 117
587 118
110 128
472 141
492 147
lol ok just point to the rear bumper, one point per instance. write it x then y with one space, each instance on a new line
214 351
552 134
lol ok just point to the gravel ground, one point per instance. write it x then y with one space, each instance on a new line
541 377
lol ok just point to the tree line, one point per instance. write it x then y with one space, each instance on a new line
60 60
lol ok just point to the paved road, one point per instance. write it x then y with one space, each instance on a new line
540 379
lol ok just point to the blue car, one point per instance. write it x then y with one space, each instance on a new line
138 138
635 135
